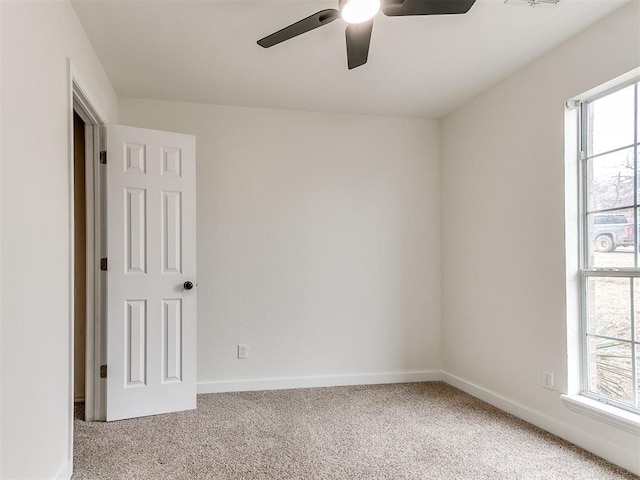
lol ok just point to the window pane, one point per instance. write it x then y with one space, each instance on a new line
610 181
609 306
610 371
636 308
610 122
611 239
638 376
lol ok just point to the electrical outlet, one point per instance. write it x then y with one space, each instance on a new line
243 351
547 380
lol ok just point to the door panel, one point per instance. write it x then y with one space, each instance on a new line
171 232
135 230
172 340
151 244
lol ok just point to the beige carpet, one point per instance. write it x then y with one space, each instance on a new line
406 431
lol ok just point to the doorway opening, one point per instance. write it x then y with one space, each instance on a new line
80 266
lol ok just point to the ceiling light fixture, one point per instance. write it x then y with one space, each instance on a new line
359 11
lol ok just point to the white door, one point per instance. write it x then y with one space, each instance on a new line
151 252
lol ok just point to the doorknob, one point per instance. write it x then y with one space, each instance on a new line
187 285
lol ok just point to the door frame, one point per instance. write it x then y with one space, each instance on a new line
80 101
94 140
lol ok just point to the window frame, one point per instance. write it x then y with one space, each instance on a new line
585 271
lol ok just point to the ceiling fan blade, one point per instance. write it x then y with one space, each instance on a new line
358 40
303 26
403 8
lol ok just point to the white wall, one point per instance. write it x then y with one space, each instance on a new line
318 242
37 38
503 257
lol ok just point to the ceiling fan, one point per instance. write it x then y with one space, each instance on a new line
359 15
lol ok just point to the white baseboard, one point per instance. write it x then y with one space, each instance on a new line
65 472
628 459
309 382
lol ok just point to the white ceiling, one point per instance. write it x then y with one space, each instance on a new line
206 51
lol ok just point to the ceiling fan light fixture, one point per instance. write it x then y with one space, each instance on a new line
358 11
359 14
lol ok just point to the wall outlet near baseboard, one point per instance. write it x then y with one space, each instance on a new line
547 380
243 351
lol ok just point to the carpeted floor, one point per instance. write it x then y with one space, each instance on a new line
405 431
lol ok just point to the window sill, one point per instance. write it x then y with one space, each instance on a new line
616 417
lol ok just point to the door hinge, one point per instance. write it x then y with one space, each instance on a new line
103 157
103 371
103 264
